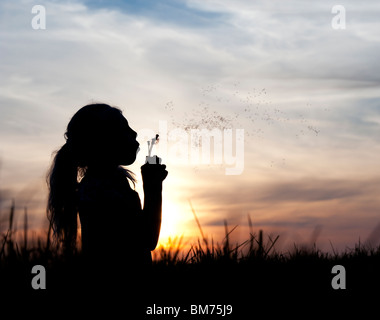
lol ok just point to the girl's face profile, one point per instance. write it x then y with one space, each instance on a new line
100 135
127 145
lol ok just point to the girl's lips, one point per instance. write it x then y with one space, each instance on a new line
138 147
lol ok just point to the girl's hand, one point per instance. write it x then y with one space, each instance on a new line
153 175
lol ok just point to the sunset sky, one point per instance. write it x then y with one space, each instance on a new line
306 96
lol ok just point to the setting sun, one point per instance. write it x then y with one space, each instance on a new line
171 221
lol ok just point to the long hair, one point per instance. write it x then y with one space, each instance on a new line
92 126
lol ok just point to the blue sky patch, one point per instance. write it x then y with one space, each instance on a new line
168 11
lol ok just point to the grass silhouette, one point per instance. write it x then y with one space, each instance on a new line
204 272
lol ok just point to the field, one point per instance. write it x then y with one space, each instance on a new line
249 276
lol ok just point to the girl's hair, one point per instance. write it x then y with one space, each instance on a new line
92 127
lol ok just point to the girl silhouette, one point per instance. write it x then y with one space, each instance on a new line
86 178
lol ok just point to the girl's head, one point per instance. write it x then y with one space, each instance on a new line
97 136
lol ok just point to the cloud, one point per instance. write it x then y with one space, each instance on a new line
313 190
295 40
306 190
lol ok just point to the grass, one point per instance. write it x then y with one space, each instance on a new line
205 269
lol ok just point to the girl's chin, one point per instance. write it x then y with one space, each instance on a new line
128 161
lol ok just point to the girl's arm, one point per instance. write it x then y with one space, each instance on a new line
153 175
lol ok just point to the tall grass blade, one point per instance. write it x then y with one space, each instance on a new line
251 233
273 242
198 223
25 229
11 217
260 243
226 247
8 235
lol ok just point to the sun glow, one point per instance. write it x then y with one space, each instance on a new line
171 220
